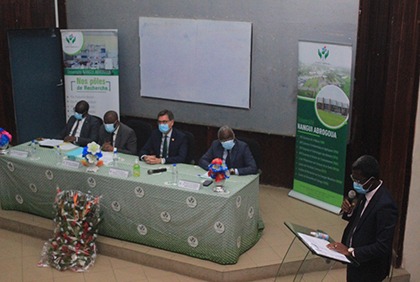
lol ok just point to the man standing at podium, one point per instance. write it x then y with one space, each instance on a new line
369 234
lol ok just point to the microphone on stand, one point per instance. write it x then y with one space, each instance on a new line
158 170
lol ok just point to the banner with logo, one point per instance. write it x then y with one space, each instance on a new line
323 107
91 70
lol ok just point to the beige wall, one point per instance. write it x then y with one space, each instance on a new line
411 255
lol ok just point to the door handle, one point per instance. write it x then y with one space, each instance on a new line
60 83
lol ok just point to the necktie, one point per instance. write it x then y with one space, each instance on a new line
359 210
165 146
75 128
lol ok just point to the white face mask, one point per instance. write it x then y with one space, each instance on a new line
109 127
228 145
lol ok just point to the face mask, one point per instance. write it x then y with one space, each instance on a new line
164 128
359 188
228 145
78 116
109 127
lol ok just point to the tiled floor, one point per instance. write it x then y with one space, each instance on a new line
19 253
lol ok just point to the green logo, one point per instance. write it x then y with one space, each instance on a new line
71 39
323 53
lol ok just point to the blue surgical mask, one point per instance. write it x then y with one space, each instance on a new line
163 127
109 127
78 116
359 188
228 145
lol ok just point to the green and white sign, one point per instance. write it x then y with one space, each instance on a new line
91 69
324 82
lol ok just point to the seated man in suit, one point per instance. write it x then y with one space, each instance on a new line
115 134
166 145
81 128
235 153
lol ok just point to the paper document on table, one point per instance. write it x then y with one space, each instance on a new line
319 246
51 143
66 146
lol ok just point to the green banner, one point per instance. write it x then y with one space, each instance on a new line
322 124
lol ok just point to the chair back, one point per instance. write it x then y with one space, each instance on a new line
142 129
191 147
255 148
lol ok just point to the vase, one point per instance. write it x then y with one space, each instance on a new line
92 167
220 186
3 148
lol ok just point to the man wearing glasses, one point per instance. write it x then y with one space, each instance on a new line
81 127
369 233
166 144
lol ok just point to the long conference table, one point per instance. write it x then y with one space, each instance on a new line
147 210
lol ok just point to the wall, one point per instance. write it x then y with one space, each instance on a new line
277 27
411 255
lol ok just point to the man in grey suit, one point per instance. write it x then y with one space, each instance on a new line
115 134
235 153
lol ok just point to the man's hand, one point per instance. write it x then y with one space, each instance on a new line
151 159
107 147
340 248
347 207
70 139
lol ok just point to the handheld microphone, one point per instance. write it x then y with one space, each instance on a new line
158 170
351 196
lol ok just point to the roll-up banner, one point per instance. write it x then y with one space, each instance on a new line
323 107
91 69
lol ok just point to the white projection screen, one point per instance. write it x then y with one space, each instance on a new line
199 61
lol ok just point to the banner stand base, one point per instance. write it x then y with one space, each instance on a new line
315 202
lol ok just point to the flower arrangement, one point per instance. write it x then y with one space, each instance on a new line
92 155
218 170
76 227
5 137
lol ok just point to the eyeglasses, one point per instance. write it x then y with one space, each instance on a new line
357 180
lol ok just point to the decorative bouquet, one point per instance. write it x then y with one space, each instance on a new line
92 155
73 244
5 137
218 170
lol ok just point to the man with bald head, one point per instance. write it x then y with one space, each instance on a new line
115 134
235 153
81 127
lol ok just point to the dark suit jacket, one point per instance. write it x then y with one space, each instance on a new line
125 141
373 237
240 157
178 146
89 132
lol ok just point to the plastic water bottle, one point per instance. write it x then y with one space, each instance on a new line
115 157
32 151
136 168
174 175
58 155
320 235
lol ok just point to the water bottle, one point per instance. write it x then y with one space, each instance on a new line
136 168
115 157
32 151
58 155
174 175
320 235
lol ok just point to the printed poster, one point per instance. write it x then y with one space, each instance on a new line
91 70
323 108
